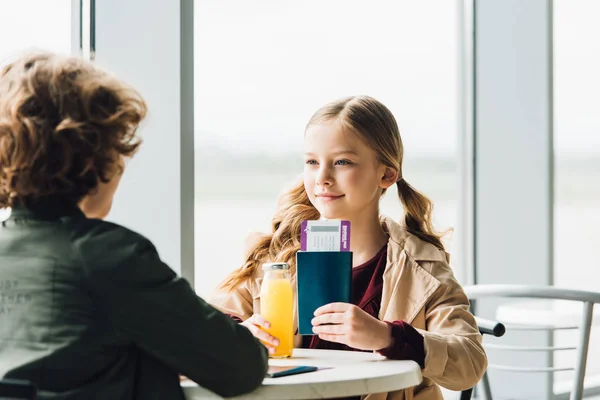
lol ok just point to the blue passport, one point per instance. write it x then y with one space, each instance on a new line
322 277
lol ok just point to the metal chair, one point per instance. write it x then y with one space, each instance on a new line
14 389
588 299
486 327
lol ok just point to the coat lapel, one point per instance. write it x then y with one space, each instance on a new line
407 285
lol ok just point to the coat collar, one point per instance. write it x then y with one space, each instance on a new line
407 282
46 209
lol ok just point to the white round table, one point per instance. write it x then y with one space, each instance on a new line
345 373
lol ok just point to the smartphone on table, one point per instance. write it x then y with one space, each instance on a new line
279 371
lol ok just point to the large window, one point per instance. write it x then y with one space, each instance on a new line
261 70
29 25
34 25
577 159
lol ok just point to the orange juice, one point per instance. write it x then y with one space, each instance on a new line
276 306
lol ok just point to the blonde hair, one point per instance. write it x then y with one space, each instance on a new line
374 123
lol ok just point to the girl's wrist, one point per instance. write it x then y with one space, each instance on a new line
386 336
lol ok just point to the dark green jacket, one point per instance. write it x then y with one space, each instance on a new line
89 311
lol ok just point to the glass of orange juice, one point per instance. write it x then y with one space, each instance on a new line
276 306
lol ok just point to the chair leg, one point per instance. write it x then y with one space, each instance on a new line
466 394
485 383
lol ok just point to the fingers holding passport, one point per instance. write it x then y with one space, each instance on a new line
257 325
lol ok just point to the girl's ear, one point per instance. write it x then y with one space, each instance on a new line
390 176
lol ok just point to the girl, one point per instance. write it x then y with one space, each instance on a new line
406 302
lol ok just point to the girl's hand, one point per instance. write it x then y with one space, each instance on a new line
254 325
347 324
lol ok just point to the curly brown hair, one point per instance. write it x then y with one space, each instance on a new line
64 125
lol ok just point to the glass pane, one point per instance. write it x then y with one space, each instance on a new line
263 68
34 25
577 160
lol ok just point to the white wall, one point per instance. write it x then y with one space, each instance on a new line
141 42
513 167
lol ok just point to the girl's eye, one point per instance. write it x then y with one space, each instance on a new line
311 162
343 162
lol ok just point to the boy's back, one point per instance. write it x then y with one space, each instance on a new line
88 310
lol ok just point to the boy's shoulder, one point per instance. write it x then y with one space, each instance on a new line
99 242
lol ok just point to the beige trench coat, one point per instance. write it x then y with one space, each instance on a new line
419 288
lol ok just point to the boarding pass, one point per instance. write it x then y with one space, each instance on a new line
325 235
